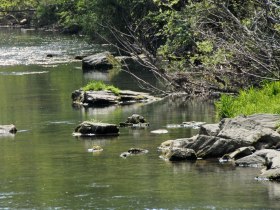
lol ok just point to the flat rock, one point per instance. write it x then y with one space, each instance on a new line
106 98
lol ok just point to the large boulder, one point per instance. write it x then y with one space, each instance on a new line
216 140
250 131
99 61
7 129
88 128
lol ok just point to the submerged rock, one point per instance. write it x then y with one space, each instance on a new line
91 128
95 148
191 124
160 131
7 129
134 151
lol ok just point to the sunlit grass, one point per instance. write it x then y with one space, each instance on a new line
99 85
251 101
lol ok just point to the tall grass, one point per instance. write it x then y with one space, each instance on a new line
99 85
251 101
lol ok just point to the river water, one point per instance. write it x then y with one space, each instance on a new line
44 167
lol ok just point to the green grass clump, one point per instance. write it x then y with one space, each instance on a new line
251 101
99 85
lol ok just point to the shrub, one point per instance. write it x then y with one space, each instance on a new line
251 101
99 85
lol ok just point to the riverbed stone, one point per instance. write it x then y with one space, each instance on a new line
99 61
88 128
7 129
134 151
216 140
249 131
257 159
106 98
237 154
135 120
177 154
209 129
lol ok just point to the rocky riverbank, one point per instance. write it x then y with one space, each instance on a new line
247 141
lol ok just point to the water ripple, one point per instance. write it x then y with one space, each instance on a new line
22 73
18 48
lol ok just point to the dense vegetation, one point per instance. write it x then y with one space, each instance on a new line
204 47
264 100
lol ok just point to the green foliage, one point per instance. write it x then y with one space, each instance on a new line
264 100
99 85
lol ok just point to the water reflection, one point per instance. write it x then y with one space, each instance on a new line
97 75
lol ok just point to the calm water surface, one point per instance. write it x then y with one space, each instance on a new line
44 167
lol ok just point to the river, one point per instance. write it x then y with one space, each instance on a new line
44 167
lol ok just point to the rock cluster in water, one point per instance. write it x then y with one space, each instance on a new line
91 128
248 141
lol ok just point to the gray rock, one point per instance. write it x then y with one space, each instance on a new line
105 98
237 154
136 121
249 131
257 159
214 147
134 151
7 129
266 120
268 158
179 154
215 141
91 128
99 61
209 129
